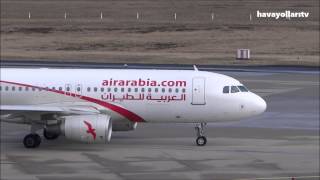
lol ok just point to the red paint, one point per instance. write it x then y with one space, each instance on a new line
122 111
90 129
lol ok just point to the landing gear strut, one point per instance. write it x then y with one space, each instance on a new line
201 139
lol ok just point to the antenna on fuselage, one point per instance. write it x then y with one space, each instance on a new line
195 68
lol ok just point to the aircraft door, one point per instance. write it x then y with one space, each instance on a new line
78 90
198 91
68 89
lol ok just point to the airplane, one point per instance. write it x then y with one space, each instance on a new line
87 105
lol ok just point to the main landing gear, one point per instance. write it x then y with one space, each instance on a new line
32 140
201 139
49 135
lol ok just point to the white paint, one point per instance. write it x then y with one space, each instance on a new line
172 103
101 15
138 15
29 15
175 16
128 95
65 15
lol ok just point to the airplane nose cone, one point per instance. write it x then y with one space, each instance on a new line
253 105
261 105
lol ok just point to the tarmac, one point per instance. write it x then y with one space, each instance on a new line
283 143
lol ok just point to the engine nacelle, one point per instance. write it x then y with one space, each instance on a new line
88 128
124 125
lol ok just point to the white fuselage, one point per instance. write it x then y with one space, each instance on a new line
136 95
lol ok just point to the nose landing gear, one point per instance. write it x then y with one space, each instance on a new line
201 139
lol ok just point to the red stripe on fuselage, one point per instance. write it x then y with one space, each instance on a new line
124 112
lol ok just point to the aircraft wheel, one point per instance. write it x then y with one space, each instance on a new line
32 141
50 136
201 141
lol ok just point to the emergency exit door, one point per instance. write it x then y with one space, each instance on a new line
198 91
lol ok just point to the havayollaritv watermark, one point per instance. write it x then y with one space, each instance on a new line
287 14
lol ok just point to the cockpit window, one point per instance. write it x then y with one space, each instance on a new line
234 89
226 89
243 89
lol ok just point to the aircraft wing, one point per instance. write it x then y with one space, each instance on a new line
10 113
45 109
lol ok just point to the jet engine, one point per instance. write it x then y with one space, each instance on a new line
87 128
124 125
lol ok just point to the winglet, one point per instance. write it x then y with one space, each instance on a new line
195 67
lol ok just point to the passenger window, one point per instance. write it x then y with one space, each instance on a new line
68 88
183 90
226 89
27 89
122 89
53 88
7 88
135 89
129 89
20 88
163 90
115 89
102 89
243 89
142 89
234 89
109 89
0 88
13 88
88 89
149 89
95 89
78 89
170 90
33 89
177 90
156 90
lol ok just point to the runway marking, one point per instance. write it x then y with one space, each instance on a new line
292 82
267 92
289 178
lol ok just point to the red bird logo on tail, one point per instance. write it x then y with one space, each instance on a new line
90 130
